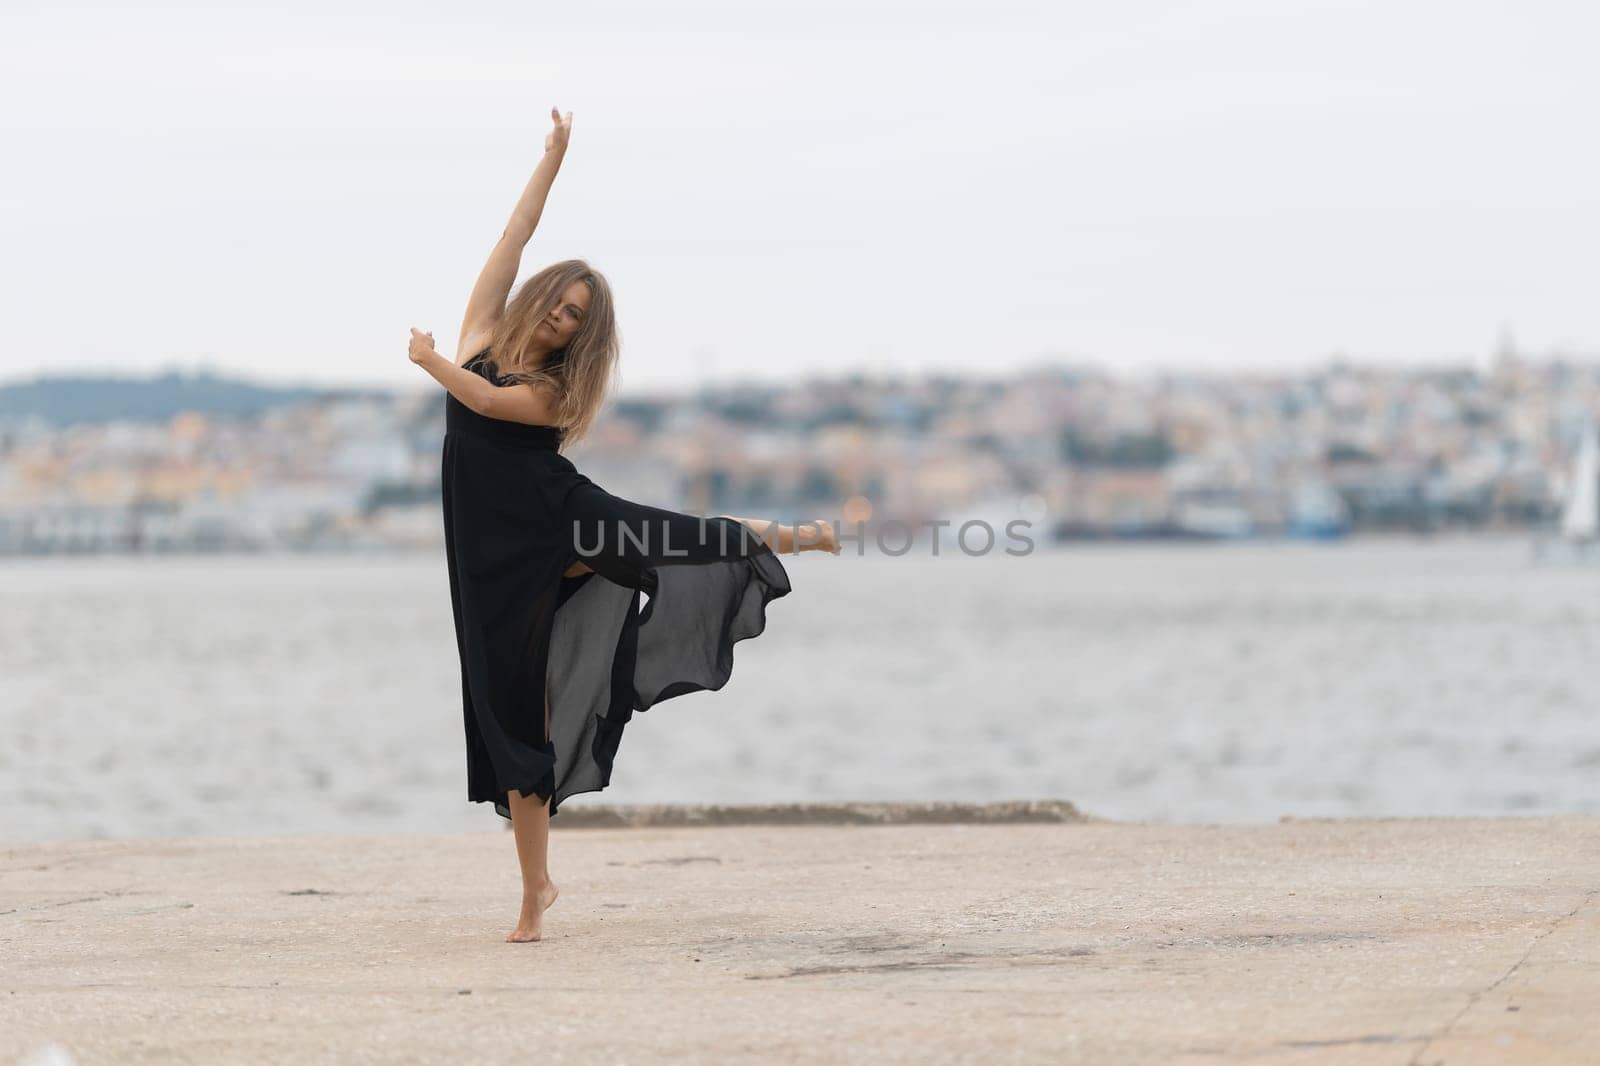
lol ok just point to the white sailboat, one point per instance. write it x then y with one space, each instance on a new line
1580 522
1579 533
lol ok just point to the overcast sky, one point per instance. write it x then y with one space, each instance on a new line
775 189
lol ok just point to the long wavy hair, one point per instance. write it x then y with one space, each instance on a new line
583 373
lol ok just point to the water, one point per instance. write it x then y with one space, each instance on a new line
1195 683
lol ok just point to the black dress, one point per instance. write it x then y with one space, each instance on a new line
517 513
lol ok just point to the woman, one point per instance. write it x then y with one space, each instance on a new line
547 568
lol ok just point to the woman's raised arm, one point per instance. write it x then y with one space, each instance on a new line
488 300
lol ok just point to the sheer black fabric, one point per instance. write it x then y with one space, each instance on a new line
669 596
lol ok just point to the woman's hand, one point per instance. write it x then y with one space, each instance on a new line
556 139
421 345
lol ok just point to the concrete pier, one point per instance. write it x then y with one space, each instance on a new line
897 933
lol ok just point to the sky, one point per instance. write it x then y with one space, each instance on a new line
781 191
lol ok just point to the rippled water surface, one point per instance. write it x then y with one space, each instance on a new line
157 697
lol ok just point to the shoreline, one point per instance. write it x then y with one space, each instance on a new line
822 814
710 815
378 554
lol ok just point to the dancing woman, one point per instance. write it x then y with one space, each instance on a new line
547 569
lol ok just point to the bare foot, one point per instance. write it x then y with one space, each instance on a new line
530 924
821 536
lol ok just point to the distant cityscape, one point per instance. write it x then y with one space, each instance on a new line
173 465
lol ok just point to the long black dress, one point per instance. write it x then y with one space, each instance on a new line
517 513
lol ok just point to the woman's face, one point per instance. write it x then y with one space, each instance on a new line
561 324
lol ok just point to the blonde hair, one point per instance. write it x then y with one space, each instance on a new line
582 374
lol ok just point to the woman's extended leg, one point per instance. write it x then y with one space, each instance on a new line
814 536
817 535
530 824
